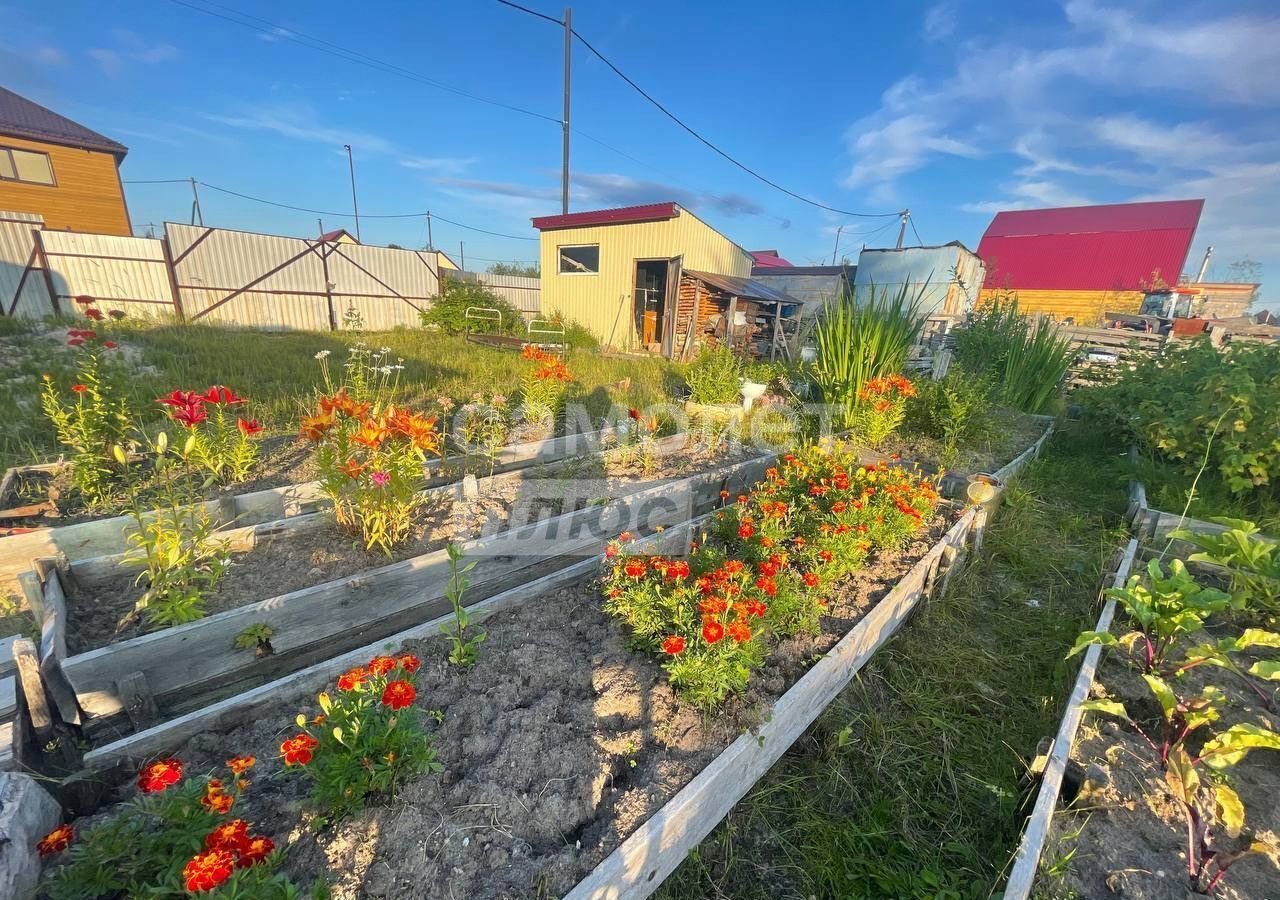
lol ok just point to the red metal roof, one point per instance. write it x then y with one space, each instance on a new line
622 215
1089 248
769 259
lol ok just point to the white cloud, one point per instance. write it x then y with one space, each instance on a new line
900 145
300 123
49 56
131 47
940 22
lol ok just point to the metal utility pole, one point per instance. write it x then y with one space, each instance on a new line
836 248
462 257
564 174
902 231
355 208
431 244
196 214
1204 266
320 222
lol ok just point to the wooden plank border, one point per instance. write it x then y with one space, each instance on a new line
653 851
1026 861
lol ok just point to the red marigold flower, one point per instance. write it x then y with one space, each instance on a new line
352 679
228 836
110 345
634 568
811 579
254 851
75 341
740 631
724 495
713 606
297 750
85 300
712 631
768 585
206 871
746 530
673 644
611 551
398 694
248 427
409 662
79 388
56 841
754 608
825 555
160 775
95 314
381 665
625 537
215 799
241 764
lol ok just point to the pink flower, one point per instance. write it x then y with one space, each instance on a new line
381 479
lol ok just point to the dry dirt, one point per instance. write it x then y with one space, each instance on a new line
104 612
556 745
1132 835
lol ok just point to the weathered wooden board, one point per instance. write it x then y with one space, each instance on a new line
656 848
107 536
169 736
1027 859
314 623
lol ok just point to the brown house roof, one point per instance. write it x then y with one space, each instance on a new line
22 118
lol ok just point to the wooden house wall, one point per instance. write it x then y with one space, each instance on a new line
87 195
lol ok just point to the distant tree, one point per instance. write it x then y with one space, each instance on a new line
526 270
1245 269
394 247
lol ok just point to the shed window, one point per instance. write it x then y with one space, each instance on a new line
25 165
581 259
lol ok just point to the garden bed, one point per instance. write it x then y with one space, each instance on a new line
564 750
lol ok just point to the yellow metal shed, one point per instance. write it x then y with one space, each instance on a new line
617 271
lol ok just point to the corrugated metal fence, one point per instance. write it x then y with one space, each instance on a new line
231 277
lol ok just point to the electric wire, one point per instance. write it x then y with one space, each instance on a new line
913 230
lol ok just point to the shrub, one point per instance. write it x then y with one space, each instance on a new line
1196 404
1026 358
482 426
96 417
715 377
576 335
952 410
448 311
175 838
860 339
543 385
369 453
219 442
881 407
367 739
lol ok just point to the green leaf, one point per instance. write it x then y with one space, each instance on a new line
1266 669
1229 809
1234 744
1164 694
1107 707
1089 638
1257 637
1181 776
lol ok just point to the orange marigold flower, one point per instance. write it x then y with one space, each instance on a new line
398 694
712 631
160 775
611 551
381 665
254 851
409 662
825 555
634 568
240 764
228 836
673 644
754 608
811 579
768 585
352 679
207 871
56 841
740 631
297 750
746 530
215 799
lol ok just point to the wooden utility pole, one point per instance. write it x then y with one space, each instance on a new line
564 174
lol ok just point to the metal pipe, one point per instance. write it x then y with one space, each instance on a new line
564 174
355 208
1204 266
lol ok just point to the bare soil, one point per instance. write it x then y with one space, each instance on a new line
104 612
1127 833
555 746
1011 433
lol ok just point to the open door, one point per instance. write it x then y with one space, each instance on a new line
651 289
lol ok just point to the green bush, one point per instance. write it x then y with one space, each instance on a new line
1196 404
577 335
714 378
448 311
1026 358
952 410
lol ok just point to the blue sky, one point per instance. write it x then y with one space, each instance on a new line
954 109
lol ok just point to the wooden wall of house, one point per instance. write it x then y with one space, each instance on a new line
86 197
710 305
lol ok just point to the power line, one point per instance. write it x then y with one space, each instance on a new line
913 230
314 43
674 118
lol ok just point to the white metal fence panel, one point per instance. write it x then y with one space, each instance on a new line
388 287
23 290
525 294
125 273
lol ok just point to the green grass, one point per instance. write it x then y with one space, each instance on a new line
1168 488
278 372
909 784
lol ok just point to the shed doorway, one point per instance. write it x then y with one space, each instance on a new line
651 301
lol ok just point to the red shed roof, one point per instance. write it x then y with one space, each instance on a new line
1116 246
769 259
622 215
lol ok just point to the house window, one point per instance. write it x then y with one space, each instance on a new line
25 165
580 259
